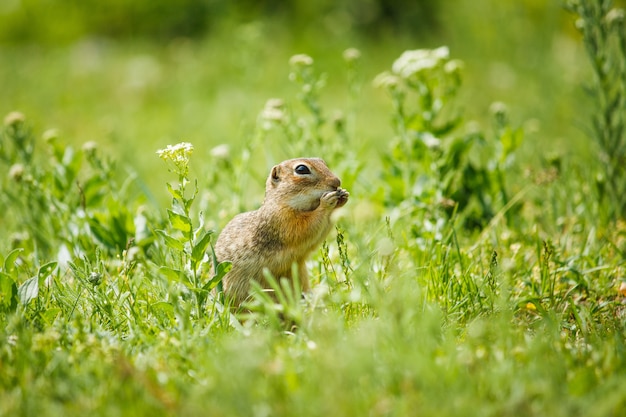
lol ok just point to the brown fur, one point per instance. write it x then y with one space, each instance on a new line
293 220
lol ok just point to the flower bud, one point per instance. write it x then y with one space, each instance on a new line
16 172
615 16
221 151
301 60
14 118
90 148
50 135
351 55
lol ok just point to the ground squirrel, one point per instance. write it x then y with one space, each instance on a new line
300 196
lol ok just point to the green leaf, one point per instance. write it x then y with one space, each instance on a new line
171 242
100 232
511 139
179 221
221 270
29 290
113 227
8 292
190 201
46 270
173 274
164 307
199 249
50 314
175 193
9 261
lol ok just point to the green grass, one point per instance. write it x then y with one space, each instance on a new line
479 274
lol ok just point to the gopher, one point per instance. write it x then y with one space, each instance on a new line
295 217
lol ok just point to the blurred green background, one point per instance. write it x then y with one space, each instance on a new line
137 75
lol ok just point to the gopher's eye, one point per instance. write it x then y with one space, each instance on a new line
302 170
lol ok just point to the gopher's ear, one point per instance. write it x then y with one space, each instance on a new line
275 174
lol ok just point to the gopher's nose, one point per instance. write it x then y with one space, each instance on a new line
335 183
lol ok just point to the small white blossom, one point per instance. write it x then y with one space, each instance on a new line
351 55
50 135
443 52
16 172
14 118
453 66
580 24
178 153
90 147
418 60
301 60
276 103
615 16
498 109
275 115
386 80
273 110
221 151
430 140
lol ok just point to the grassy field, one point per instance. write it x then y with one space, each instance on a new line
478 268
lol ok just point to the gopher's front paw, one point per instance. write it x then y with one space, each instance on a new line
342 197
334 199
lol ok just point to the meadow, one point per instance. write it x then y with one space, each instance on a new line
478 268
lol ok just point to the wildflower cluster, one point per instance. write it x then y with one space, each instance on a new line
310 82
418 61
432 160
178 155
189 244
430 73
273 113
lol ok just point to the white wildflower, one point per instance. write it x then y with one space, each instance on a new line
273 110
430 140
14 118
50 135
16 172
615 16
443 52
453 66
386 80
498 109
221 151
90 147
351 55
418 60
178 153
580 24
276 103
301 60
